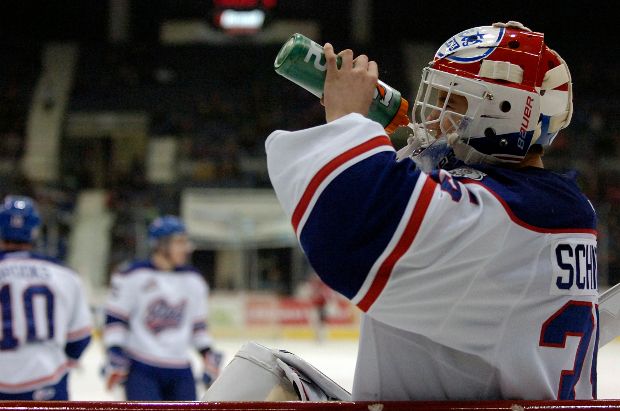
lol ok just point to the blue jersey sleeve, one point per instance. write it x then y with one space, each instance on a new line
355 217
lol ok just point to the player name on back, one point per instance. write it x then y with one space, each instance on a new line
26 271
574 267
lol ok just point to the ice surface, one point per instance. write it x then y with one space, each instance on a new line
336 359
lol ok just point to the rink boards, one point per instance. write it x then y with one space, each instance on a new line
307 406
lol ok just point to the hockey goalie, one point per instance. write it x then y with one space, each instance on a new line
475 266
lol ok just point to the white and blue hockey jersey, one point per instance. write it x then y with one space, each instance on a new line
46 321
157 316
478 283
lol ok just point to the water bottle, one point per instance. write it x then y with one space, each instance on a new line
302 61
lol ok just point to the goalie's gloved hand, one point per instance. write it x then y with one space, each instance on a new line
212 362
116 367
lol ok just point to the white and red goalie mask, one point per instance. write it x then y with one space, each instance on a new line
518 93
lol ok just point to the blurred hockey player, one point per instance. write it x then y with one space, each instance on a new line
155 312
474 266
46 321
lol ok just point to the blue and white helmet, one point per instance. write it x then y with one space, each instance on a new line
163 227
19 219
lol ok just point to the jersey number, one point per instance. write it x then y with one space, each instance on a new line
573 319
8 340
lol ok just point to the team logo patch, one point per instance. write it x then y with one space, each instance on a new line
160 315
472 44
150 285
466 172
17 221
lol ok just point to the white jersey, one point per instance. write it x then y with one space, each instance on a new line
157 316
46 321
478 283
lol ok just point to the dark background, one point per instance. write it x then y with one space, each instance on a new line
583 26
225 99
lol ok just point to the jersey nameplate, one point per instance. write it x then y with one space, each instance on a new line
574 267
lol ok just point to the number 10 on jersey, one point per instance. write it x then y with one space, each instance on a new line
8 340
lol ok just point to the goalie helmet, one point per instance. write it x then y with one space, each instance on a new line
19 219
517 91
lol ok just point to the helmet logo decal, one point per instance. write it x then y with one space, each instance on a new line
467 39
527 113
17 221
471 45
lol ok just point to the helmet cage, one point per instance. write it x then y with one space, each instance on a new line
518 91
439 120
500 120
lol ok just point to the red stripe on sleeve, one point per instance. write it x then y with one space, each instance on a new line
405 241
327 169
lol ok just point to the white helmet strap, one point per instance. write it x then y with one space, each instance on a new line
555 77
511 24
557 122
501 70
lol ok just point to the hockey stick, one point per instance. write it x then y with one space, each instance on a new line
609 315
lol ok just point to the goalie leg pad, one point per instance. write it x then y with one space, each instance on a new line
258 373
252 375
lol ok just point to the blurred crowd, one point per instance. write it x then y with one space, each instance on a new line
17 82
220 102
